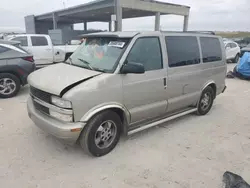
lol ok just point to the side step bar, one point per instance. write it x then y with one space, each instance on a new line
161 121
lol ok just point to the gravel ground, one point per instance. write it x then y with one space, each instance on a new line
189 152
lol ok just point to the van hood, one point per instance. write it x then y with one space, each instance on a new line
55 79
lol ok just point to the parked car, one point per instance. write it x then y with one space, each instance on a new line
245 49
126 82
232 51
43 50
15 66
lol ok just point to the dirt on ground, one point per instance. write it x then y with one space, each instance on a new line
191 152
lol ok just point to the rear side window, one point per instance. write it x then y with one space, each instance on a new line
23 40
147 51
211 49
39 41
233 45
228 46
182 51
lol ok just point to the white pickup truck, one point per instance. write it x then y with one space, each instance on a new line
42 48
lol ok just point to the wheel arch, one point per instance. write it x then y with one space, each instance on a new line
212 85
13 73
115 107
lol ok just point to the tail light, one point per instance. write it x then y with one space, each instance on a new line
29 58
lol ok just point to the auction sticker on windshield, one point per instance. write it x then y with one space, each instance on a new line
116 44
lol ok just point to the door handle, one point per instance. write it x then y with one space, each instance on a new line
165 83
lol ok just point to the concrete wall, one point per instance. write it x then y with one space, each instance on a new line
30 24
63 36
41 27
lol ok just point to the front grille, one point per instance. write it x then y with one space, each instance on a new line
42 95
41 108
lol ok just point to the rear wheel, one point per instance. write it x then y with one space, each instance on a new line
9 85
206 101
101 134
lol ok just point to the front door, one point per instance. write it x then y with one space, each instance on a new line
144 95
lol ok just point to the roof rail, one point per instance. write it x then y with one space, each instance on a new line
205 32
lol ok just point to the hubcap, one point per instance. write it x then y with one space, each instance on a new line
105 134
7 86
205 101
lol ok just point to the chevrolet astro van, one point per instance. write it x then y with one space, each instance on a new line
124 82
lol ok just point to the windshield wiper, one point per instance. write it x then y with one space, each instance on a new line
86 63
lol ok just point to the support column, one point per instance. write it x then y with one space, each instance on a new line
157 21
118 12
85 26
30 24
110 25
55 18
185 24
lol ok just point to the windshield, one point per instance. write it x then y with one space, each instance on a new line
99 53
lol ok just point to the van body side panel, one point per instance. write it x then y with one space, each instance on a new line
144 95
184 85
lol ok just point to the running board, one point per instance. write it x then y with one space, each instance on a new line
161 121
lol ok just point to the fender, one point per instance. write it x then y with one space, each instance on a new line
207 84
93 111
204 86
14 69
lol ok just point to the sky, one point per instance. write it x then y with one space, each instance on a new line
216 15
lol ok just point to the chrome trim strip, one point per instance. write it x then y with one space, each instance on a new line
161 121
52 107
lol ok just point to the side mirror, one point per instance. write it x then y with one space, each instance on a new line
228 48
136 68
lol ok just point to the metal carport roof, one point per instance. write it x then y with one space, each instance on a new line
101 11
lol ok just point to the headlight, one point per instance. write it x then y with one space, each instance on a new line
60 102
62 117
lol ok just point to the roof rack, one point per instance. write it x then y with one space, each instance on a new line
205 32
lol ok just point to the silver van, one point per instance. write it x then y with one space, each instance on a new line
123 82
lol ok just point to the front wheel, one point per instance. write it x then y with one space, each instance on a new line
101 134
206 101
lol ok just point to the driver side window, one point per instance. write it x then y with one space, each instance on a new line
147 51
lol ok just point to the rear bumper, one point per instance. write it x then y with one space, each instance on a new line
59 129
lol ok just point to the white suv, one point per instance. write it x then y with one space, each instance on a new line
232 51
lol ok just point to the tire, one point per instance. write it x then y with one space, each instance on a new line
236 59
206 101
96 130
10 81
